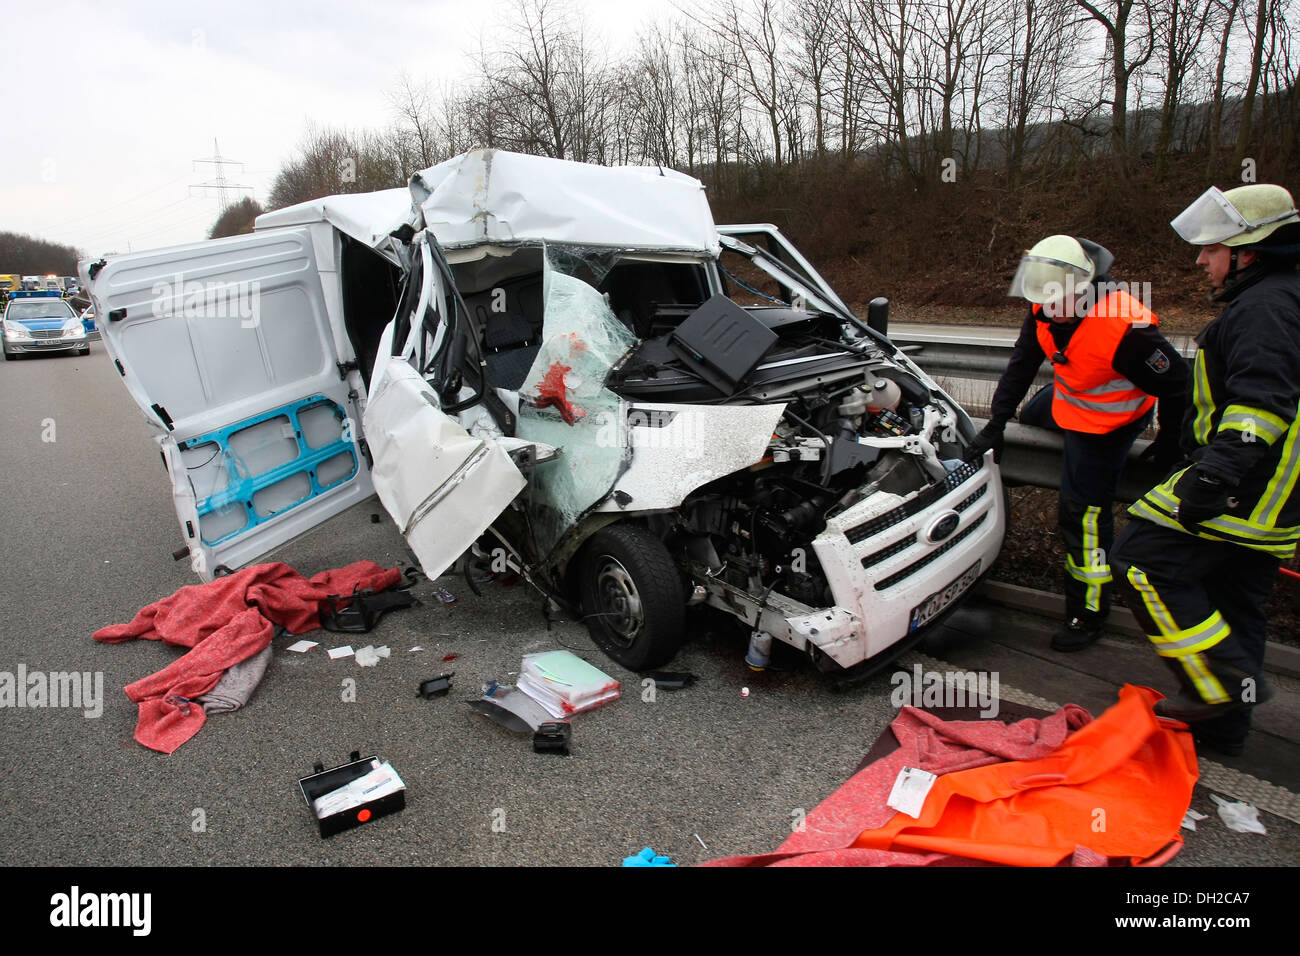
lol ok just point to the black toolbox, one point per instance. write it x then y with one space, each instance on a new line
324 781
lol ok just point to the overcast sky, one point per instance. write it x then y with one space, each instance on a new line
107 113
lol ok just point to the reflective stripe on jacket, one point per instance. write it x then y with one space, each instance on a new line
1090 396
1244 426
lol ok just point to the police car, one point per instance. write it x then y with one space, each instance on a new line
41 321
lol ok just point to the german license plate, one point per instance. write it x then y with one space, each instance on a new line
932 606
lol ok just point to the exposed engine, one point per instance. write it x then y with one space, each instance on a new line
855 423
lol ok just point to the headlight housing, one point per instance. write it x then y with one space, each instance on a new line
16 332
74 330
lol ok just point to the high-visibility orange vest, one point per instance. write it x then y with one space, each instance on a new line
1089 395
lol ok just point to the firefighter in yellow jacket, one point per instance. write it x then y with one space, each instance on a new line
1203 555
1110 363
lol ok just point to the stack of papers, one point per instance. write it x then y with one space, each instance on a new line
565 684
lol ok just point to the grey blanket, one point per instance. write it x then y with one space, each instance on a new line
237 684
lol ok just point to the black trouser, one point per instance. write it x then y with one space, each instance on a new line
1091 466
1201 604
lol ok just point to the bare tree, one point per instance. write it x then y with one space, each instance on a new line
1180 32
1257 36
526 78
656 83
710 64
882 46
1280 84
411 103
1122 29
813 23
1227 12
331 161
753 41
952 58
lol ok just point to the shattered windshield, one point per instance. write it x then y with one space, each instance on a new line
564 401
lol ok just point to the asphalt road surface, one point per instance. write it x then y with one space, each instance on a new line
699 773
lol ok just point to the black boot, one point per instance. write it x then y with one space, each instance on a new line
1075 636
1190 709
1226 746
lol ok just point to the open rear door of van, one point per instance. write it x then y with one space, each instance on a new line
229 348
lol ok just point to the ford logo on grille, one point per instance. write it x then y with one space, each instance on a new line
943 527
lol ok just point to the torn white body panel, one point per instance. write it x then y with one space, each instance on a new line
678 448
442 486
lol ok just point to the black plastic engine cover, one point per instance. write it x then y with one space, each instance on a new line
722 343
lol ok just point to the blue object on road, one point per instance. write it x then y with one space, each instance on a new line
647 858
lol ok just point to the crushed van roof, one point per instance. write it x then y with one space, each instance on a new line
502 198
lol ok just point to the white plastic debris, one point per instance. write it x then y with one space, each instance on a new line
1191 817
1241 817
369 655
744 692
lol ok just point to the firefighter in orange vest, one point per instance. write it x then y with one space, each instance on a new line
1202 554
1110 364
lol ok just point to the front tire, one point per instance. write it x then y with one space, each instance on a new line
632 597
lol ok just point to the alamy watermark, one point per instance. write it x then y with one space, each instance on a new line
650 428
75 908
1075 300
77 690
922 688
210 300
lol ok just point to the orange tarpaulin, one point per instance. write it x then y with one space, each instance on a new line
1118 787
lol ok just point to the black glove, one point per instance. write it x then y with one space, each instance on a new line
1201 496
1163 453
990 437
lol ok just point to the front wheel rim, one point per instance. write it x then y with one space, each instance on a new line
618 600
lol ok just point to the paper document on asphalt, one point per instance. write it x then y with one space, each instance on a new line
910 790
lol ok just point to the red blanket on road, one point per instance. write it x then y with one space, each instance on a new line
225 622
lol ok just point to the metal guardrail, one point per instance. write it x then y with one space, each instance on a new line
980 354
1031 456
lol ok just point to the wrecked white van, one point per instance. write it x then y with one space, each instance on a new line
574 368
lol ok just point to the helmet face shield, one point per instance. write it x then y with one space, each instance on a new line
1210 219
1041 280
1213 218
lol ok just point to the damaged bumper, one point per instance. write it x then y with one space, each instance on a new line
880 559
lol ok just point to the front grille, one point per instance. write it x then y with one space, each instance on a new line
934 555
925 499
971 499
47 333
886 553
